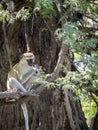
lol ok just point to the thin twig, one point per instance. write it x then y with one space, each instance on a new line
26 37
91 18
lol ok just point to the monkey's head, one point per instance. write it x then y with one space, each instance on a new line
28 58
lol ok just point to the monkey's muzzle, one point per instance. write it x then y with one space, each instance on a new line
30 62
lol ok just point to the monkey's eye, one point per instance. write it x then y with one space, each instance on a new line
29 59
30 62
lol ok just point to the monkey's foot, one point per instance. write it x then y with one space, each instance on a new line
29 93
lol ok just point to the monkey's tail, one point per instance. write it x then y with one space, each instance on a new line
25 113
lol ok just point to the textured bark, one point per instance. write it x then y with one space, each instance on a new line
57 110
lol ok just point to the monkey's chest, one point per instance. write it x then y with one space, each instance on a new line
28 78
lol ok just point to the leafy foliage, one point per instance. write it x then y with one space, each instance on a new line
45 7
71 32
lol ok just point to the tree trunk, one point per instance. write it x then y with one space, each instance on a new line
55 109
94 122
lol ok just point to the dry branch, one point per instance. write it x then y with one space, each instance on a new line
61 58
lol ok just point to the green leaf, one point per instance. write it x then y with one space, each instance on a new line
92 42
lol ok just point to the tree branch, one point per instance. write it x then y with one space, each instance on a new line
92 18
18 97
22 4
61 58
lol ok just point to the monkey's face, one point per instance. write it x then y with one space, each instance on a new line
30 61
29 58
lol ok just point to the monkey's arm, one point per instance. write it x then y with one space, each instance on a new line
31 74
27 76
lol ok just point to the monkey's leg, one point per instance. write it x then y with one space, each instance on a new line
13 83
25 112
